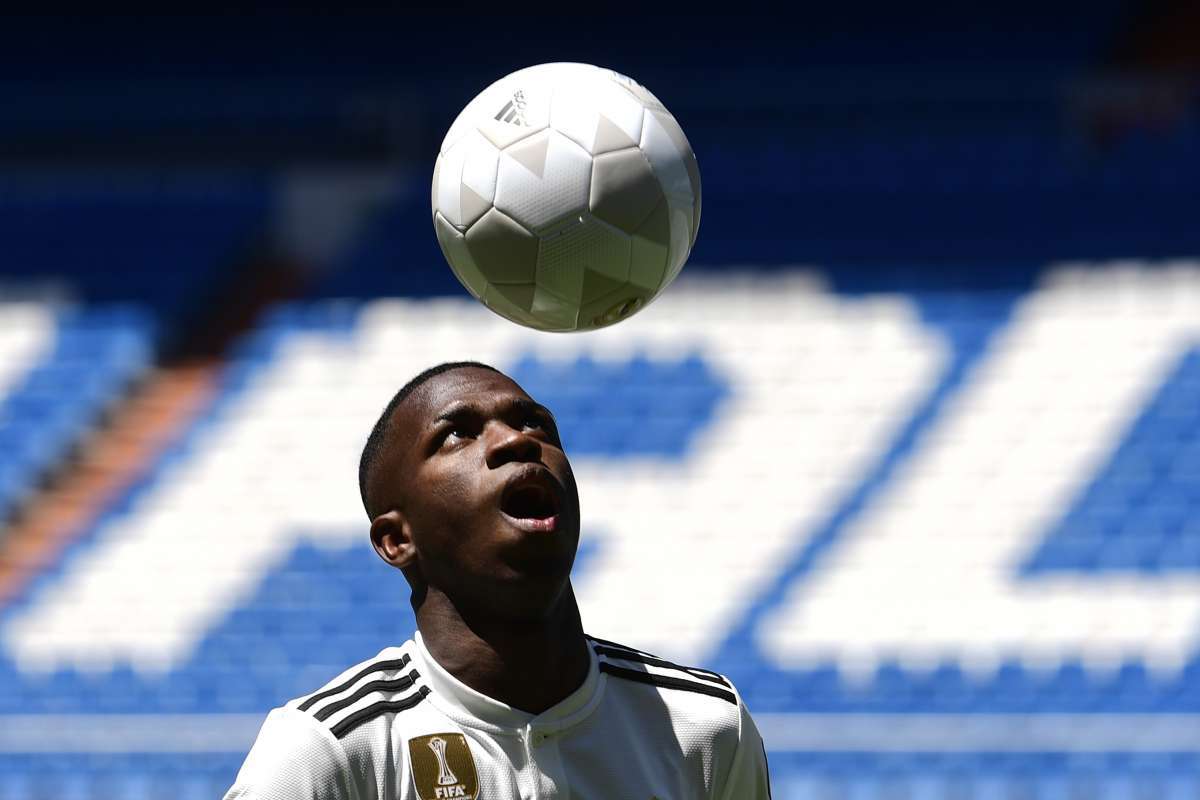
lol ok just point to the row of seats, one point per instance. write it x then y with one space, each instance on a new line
107 237
222 679
105 776
303 389
341 600
979 161
899 764
796 776
84 366
809 197
1141 513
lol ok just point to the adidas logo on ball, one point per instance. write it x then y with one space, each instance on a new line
514 110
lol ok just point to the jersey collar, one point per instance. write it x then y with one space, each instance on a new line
474 708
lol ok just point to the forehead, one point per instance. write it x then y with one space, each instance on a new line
476 387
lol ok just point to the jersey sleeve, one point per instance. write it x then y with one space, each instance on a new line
748 778
294 758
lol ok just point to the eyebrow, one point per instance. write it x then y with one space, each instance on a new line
456 410
460 409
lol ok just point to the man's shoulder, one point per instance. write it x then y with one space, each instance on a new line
385 684
693 694
323 744
693 709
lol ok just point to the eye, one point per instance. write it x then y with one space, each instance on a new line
452 434
543 423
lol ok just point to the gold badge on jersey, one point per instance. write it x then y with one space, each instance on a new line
442 767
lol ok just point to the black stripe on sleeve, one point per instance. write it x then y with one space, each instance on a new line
620 646
395 685
379 666
378 709
695 672
667 682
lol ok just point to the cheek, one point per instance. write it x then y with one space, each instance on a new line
446 512
564 469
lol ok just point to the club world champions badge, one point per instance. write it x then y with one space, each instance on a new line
442 767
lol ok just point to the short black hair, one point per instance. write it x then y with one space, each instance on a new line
372 452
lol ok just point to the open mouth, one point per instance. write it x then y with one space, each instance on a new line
531 503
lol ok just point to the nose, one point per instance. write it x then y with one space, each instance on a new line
506 444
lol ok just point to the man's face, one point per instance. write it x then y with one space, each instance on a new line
487 493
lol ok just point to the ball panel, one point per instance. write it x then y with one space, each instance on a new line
618 111
557 274
601 284
611 308
592 312
532 155
503 134
553 312
454 248
567 256
671 126
446 188
638 92
518 295
649 265
695 220
624 189
681 238
573 117
480 160
657 226
596 114
435 186
671 165
503 250
462 125
609 136
554 73
543 179
471 205
512 301
650 254
664 154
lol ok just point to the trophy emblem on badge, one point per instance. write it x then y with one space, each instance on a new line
445 776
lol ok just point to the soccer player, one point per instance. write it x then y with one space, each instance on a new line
500 695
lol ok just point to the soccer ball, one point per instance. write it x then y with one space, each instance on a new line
566 197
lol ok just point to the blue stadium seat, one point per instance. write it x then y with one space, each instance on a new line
94 356
276 642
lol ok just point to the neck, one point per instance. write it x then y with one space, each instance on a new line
527 664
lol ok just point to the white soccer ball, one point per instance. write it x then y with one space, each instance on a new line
566 197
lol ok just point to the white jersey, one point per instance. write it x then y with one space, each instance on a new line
399 727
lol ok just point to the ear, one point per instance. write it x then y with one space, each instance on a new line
392 539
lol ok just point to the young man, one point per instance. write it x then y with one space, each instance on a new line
501 695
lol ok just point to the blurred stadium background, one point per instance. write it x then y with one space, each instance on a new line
911 450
